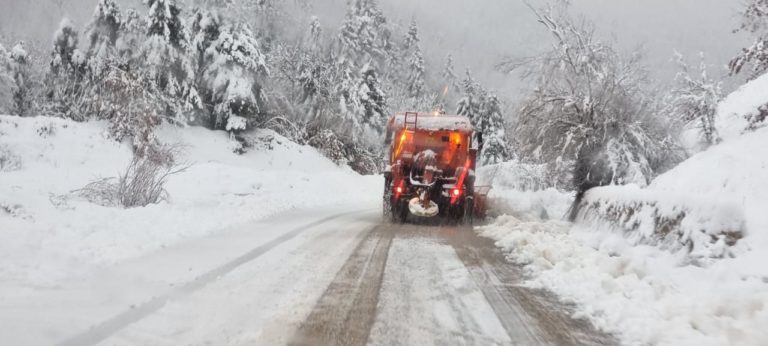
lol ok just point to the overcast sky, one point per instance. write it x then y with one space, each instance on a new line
481 32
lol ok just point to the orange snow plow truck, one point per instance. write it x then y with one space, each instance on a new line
431 168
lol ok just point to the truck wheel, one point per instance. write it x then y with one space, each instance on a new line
399 211
469 211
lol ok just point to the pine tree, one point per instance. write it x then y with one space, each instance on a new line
22 82
66 75
415 70
448 74
364 35
412 37
6 80
206 27
346 91
491 124
103 33
372 99
66 57
166 59
469 104
235 75
315 33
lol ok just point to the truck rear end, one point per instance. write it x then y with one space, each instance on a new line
431 168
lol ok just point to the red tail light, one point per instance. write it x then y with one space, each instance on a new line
399 190
456 192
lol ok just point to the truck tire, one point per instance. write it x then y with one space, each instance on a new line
469 211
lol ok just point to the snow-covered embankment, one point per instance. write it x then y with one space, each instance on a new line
681 262
47 233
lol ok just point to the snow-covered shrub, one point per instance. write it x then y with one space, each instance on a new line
754 21
295 132
694 99
701 229
141 184
9 161
327 143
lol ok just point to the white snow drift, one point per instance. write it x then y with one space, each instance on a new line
46 233
627 277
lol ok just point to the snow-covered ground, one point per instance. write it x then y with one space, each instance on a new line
640 287
50 239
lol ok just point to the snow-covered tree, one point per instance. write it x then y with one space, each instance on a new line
372 99
166 60
66 56
695 97
206 27
22 82
448 76
754 21
235 75
588 96
346 90
364 35
66 76
314 34
471 100
490 123
6 81
412 36
103 32
415 69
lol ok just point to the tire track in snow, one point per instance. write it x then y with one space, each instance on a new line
346 311
530 316
109 327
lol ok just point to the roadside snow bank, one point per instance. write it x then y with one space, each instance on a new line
639 292
43 238
641 282
700 228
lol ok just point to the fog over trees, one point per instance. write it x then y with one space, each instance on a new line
605 86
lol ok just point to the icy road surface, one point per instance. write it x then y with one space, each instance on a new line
337 276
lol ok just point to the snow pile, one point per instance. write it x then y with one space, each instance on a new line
629 280
638 292
520 189
46 232
741 109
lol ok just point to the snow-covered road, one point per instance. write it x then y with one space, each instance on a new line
227 287
326 276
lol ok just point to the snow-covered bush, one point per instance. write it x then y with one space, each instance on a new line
141 184
754 21
329 144
694 99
